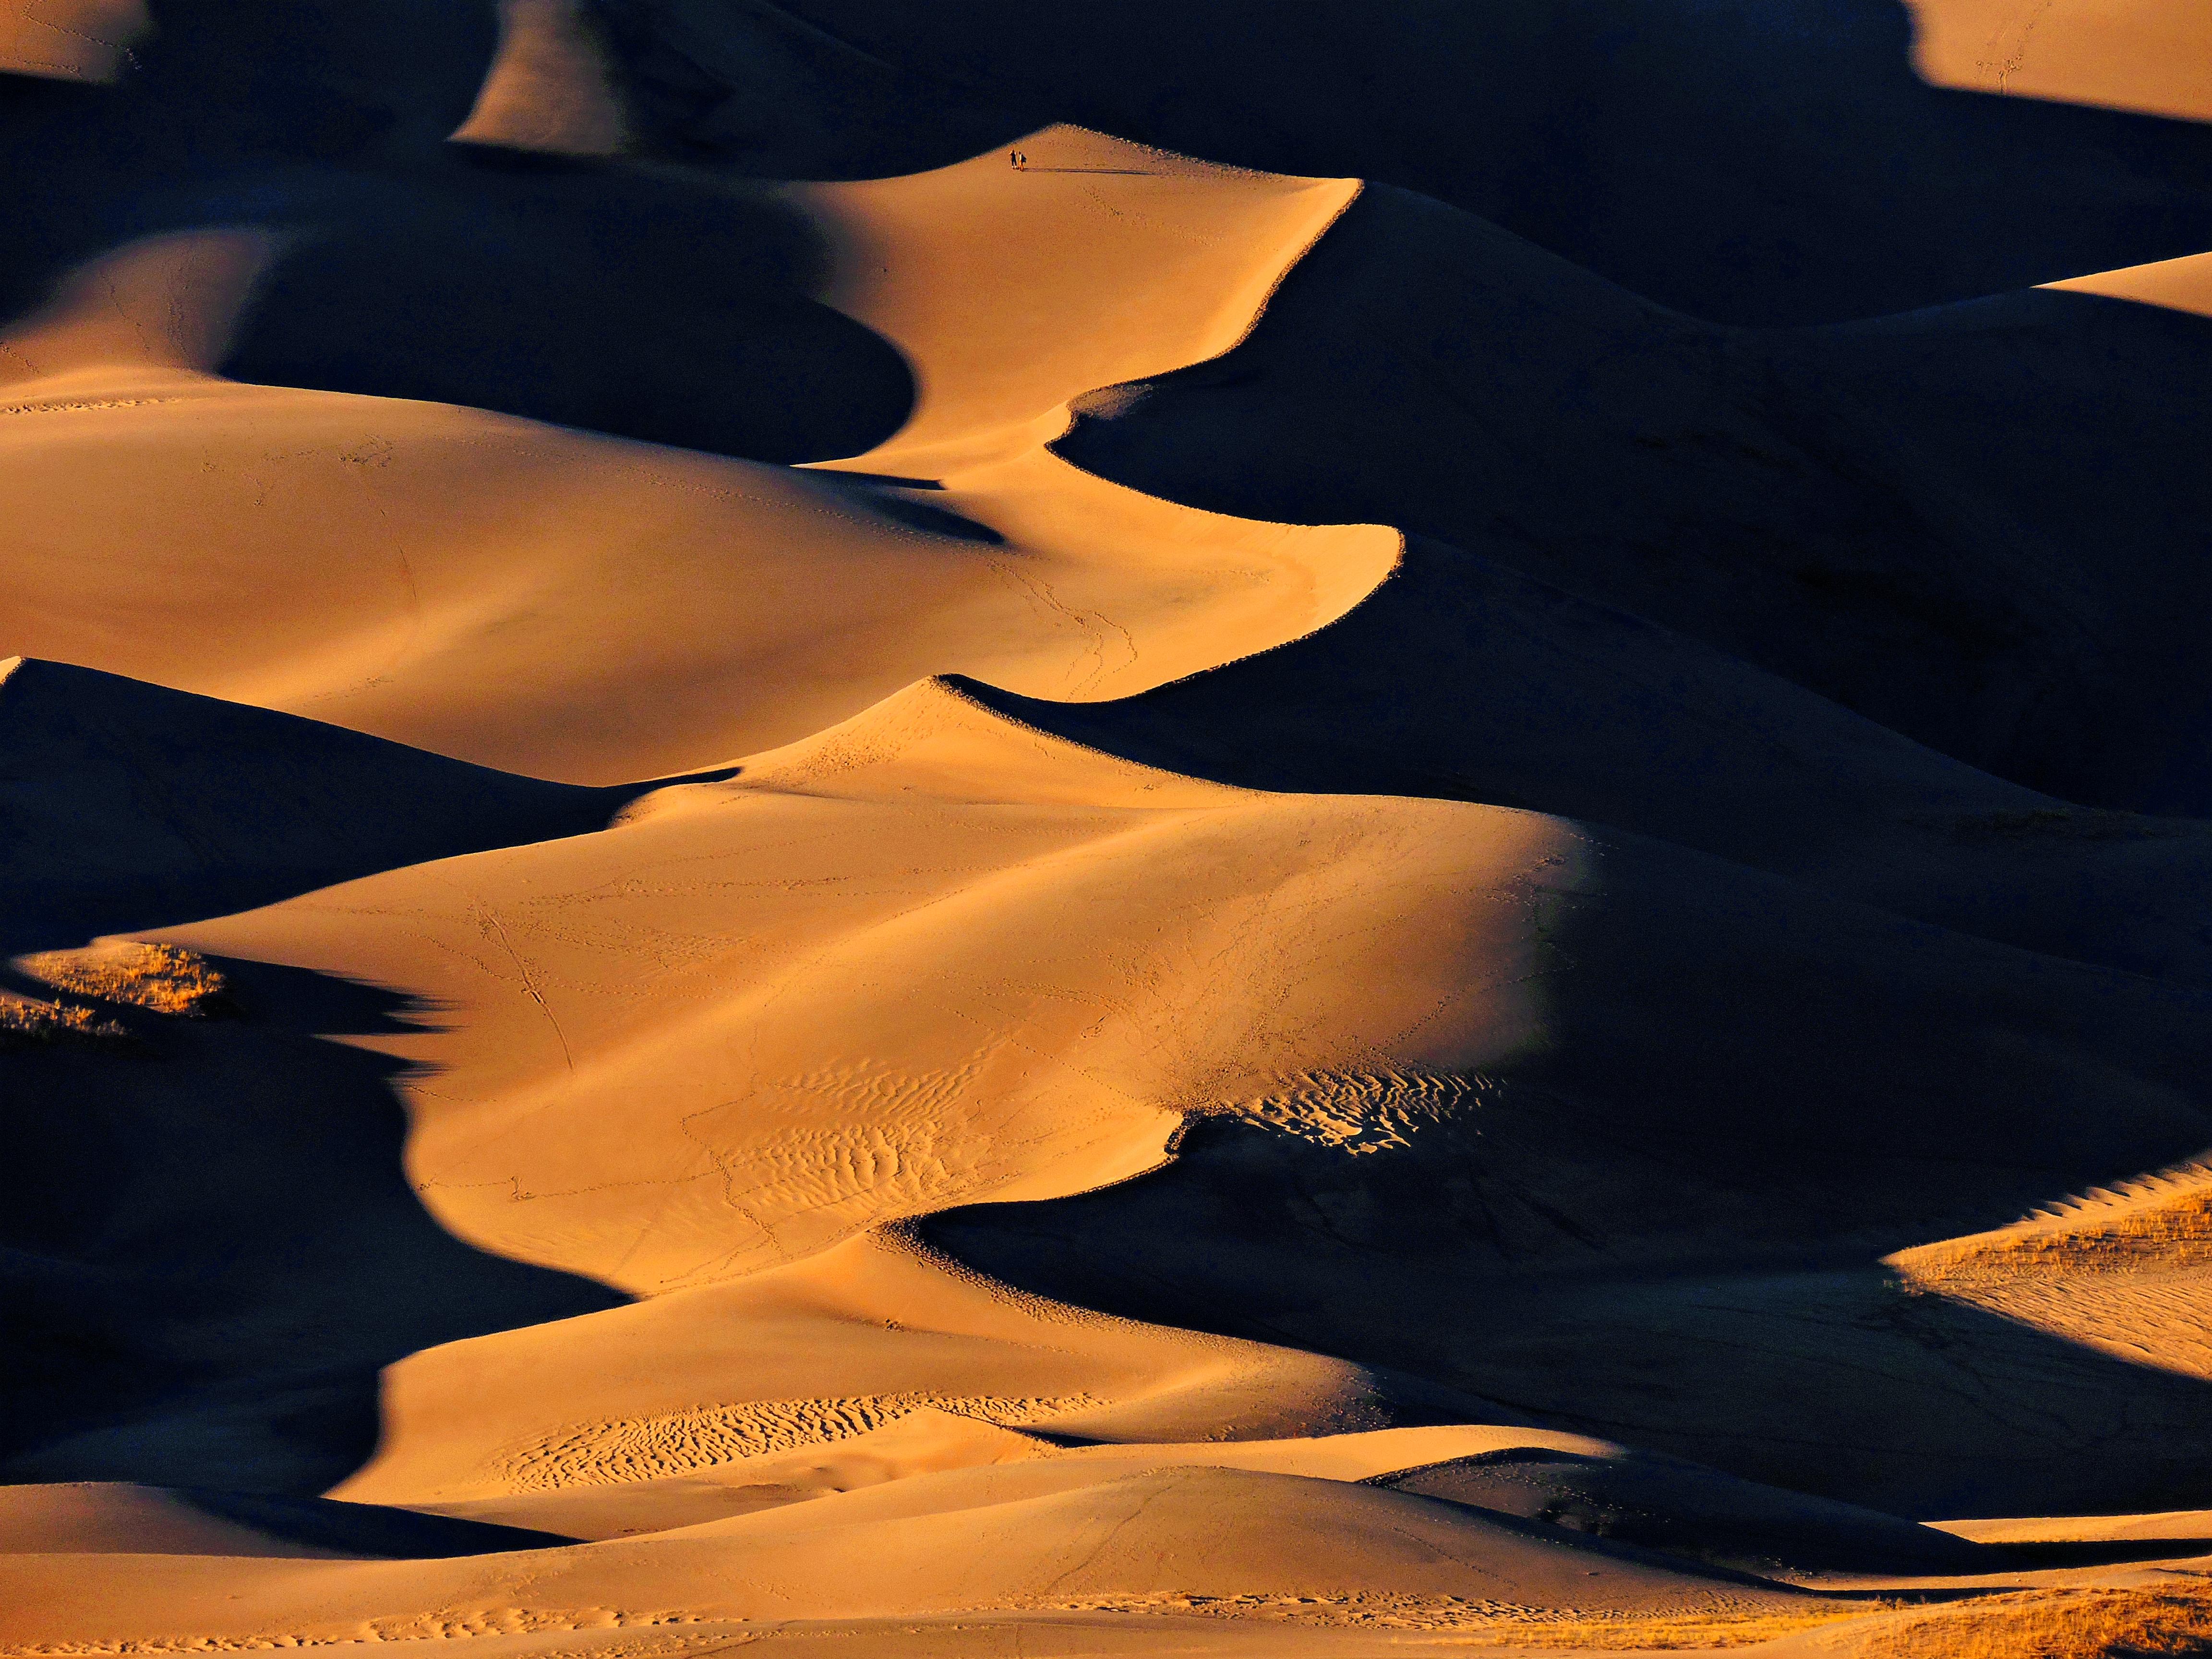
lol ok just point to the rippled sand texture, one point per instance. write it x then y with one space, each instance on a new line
1208 829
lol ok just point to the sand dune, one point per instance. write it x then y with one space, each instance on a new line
1101 1544
1957 522
490 565
634 1076
503 592
1167 261
127 804
1461 679
2138 54
809 842
1756 166
804 1380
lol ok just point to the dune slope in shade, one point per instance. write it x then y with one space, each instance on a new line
1771 163
128 804
1962 524
1462 679
809 845
756 1018
572 606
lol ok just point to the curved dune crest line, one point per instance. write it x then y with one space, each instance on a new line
871 1361
1228 1533
583 608
895 968
1067 261
2175 284
2146 55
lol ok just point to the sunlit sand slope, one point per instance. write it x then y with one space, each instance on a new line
1767 164
1448 1045
2130 54
574 606
1959 523
802 852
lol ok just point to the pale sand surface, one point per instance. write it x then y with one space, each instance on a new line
1064 1037
68 40
536 599
2177 284
1166 260
575 607
2130 54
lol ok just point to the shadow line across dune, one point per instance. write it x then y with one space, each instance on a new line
212 1248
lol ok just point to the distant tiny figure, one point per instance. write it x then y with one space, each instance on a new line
1020 160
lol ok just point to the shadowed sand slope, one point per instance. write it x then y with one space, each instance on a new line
800 852
1753 163
758 1016
127 804
1460 678
1963 523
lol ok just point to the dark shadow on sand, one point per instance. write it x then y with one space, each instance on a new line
211 1249
1770 161
125 805
659 304
1661 1219
1981 526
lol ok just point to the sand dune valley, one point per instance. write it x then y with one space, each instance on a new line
1263 832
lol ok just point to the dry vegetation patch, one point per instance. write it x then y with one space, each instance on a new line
164 979
26 1023
2055 1624
2162 1222
1479 1624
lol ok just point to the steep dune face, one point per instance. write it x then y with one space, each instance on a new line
1008 1061
128 804
565 604
1959 523
1748 163
1461 679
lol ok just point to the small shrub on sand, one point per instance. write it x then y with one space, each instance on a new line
162 978
26 1022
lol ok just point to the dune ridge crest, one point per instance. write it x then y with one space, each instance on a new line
1198 830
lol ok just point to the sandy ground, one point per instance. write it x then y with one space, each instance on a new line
797 860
